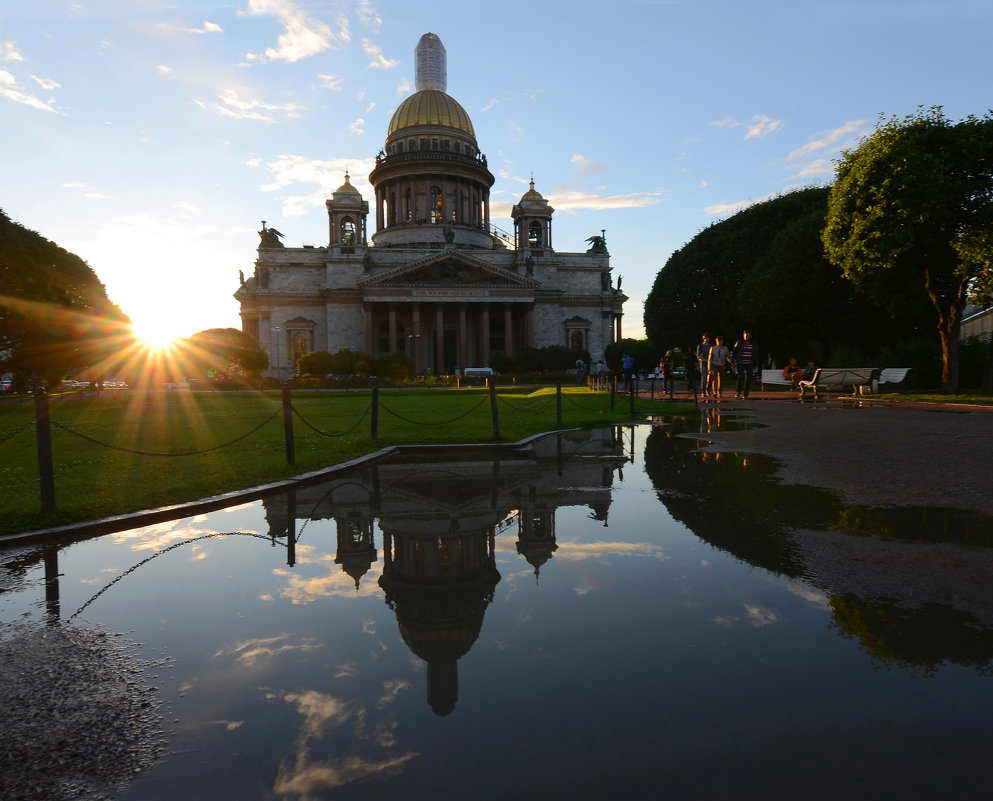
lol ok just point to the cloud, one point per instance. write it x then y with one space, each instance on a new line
585 167
251 652
355 128
165 71
332 82
574 200
45 83
829 139
727 208
303 36
324 175
762 126
404 87
85 188
379 61
12 89
208 27
755 616
727 122
9 53
368 16
232 105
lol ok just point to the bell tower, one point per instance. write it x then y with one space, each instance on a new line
347 213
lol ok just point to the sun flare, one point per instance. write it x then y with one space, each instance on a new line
156 334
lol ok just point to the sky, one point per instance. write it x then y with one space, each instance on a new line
152 137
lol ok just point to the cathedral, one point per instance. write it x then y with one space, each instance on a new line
436 280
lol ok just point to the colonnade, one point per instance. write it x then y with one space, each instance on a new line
438 337
432 199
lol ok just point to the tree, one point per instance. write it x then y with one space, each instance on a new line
223 351
55 316
912 206
318 362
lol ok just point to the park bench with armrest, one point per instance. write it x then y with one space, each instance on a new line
859 378
890 375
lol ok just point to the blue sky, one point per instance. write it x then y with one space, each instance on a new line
152 137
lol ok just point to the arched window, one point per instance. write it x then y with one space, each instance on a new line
347 232
534 235
437 198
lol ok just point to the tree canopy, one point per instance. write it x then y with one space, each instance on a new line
912 211
55 316
225 351
765 269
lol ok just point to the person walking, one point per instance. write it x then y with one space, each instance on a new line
703 361
717 365
746 360
627 365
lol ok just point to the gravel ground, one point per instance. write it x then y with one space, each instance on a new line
78 717
874 454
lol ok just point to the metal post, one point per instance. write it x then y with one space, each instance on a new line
558 403
288 426
493 411
632 400
43 433
613 389
375 413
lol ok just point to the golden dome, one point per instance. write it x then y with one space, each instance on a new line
431 107
346 188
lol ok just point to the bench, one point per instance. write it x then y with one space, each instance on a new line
858 378
774 376
890 375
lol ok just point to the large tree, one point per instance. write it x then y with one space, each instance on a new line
912 207
764 268
55 316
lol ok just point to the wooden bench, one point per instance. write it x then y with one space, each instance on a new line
890 375
858 378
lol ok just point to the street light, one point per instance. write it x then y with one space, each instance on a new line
276 329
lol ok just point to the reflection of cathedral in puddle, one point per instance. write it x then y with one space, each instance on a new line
440 520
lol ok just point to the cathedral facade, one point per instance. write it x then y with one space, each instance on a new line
436 280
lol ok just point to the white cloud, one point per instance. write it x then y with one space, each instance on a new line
368 16
324 175
332 82
10 53
585 167
208 27
45 83
232 105
727 122
303 36
13 90
404 87
829 139
378 60
572 201
165 71
85 188
355 128
761 126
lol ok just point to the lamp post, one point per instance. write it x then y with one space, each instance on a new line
276 350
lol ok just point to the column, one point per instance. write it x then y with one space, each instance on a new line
415 330
439 335
484 357
391 346
529 327
508 329
369 328
463 339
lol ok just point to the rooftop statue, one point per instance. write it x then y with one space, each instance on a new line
270 237
598 244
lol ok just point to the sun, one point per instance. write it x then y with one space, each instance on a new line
156 334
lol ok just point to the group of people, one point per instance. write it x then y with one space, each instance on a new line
715 359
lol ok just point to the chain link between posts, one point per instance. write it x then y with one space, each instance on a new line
385 408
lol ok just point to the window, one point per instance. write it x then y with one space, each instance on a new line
347 232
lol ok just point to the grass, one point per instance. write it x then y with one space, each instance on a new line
107 448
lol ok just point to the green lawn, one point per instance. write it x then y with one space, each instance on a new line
107 448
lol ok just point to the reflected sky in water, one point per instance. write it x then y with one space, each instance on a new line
602 614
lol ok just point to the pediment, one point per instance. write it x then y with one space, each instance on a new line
446 269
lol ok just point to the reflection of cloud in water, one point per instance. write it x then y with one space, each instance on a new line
755 615
301 776
816 597
600 550
334 582
251 652
159 536
391 689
